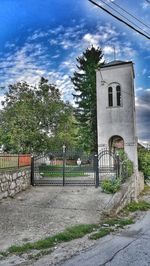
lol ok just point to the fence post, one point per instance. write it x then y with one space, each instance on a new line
18 160
118 165
32 170
96 170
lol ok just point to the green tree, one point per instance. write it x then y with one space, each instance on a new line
84 81
67 129
33 118
144 162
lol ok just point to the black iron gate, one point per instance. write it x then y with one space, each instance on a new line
63 168
108 165
70 168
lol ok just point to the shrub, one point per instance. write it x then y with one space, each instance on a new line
111 186
127 167
144 162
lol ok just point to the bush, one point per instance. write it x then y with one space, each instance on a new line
144 162
111 186
129 168
127 165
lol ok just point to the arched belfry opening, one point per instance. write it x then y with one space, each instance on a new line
114 95
115 143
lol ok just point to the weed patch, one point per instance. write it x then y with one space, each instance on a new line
111 186
65 236
101 233
112 224
146 188
137 206
3 254
119 222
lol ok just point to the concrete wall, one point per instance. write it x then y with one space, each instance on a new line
130 191
13 182
117 120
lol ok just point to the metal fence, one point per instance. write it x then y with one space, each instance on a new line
63 168
8 161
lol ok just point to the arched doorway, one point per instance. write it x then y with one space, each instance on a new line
116 143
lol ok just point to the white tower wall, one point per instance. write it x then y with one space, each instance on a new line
117 120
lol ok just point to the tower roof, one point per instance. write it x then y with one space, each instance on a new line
116 63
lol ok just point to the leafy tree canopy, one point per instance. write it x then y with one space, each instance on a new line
35 119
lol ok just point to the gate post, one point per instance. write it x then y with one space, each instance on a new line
96 170
64 160
118 165
32 170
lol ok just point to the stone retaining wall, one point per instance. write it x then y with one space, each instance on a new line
14 181
130 191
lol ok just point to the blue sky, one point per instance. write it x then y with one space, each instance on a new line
44 37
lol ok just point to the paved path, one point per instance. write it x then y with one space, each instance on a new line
129 248
43 211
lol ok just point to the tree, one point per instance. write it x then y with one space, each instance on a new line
33 118
144 162
84 81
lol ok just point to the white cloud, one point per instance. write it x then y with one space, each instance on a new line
43 49
139 89
36 35
55 56
53 42
9 45
22 65
145 5
66 44
108 50
144 71
92 39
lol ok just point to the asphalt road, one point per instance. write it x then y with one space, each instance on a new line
131 247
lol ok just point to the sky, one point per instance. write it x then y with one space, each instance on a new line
44 38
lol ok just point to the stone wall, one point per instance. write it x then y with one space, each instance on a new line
14 181
130 191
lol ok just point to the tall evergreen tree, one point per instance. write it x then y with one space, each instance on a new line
84 81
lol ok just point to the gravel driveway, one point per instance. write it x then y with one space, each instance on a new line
42 211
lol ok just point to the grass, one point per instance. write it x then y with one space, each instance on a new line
119 222
57 171
101 233
146 188
137 206
112 224
59 174
49 242
3 254
69 234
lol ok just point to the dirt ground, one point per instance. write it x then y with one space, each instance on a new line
42 211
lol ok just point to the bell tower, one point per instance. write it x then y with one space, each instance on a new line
116 108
